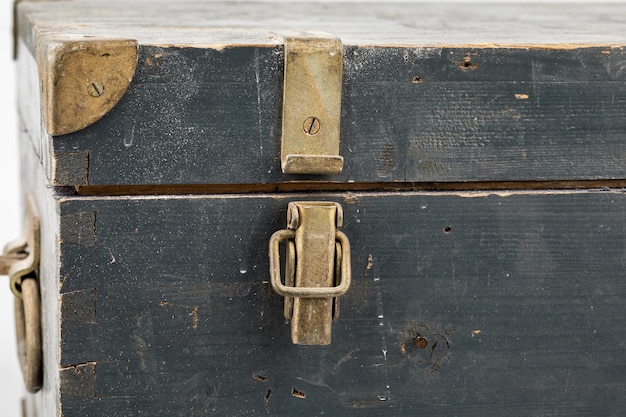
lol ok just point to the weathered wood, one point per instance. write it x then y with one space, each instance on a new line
455 125
518 295
166 308
220 24
464 301
33 181
434 102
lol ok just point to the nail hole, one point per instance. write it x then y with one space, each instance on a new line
447 229
468 65
416 80
259 377
267 396
297 394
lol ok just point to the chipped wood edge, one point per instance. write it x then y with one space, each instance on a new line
82 79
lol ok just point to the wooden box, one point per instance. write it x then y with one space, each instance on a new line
475 153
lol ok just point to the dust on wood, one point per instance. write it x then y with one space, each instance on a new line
426 346
71 168
194 313
79 228
78 380
79 306
387 160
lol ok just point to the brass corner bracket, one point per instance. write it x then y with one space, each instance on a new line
82 79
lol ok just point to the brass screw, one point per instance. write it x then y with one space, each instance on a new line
312 126
95 89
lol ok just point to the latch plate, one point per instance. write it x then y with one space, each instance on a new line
317 269
312 104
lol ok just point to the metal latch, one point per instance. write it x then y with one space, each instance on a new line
317 269
20 261
312 104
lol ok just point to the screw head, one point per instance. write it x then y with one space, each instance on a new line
95 89
312 126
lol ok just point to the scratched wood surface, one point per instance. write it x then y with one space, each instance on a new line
518 299
224 23
426 99
474 304
462 303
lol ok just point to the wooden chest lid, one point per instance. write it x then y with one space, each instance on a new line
191 92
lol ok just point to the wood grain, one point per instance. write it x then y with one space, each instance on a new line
499 303
465 300
516 299
197 116
220 24
431 93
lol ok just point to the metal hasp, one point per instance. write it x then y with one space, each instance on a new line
317 269
312 104
20 261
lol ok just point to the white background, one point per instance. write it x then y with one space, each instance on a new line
11 387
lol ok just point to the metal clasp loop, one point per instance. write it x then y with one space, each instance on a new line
21 257
317 271
309 292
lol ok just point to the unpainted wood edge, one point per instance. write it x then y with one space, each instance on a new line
70 168
82 79
214 46
526 46
278 43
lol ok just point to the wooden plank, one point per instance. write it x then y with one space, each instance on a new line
33 181
431 93
198 116
516 300
218 24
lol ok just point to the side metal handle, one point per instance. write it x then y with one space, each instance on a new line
28 331
20 261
